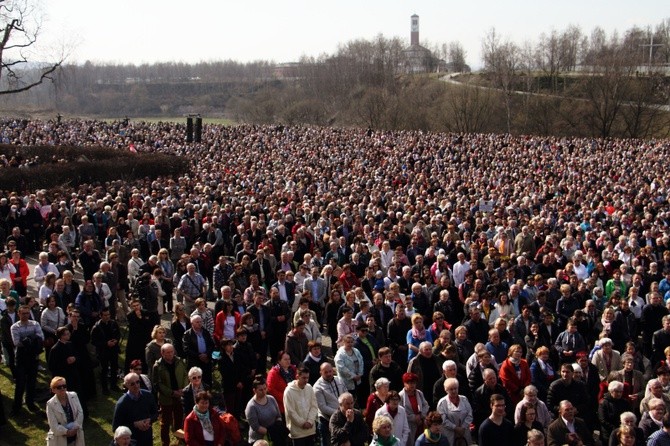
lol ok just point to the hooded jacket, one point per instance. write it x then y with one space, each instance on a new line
300 406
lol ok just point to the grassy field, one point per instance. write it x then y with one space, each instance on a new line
30 429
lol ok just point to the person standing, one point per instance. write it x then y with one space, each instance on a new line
327 389
198 348
64 415
301 409
28 337
496 429
136 409
105 337
169 377
347 426
280 315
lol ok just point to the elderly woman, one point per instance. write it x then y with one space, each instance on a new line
628 419
397 414
432 435
64 415
123 437
610 409
607 360
653 420
349 364
195 386
203 427
376 400
456 413
382 432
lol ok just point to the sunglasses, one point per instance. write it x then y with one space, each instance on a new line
61 387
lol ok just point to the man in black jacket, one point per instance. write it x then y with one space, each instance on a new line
347 425
195 339
105 337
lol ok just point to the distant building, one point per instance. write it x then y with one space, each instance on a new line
419 59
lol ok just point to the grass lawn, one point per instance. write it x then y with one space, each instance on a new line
30 429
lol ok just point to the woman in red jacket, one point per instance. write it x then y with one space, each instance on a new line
20 277
279 377
203 426
226 323
515 373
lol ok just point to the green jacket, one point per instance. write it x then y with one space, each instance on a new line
161 379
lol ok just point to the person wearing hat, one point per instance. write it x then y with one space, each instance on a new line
415 404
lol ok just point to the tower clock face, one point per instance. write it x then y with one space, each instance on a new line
415 24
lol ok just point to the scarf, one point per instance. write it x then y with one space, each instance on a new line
287 375
419 334
314 358
204 420
432 438
391 441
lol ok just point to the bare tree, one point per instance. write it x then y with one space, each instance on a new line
501 60
20 26
468 108
457 57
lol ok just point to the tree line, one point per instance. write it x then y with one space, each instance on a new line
565 82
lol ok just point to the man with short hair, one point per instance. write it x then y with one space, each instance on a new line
568 429
327 390
105 337
137 410
567 388
301 409
496 429
191 286
198 348
347 425
28 338
169 377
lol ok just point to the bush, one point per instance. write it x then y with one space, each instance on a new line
72 166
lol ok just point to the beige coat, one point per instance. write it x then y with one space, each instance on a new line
57 421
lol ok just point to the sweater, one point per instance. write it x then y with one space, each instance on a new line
300 406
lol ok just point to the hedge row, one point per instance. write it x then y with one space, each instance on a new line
84 165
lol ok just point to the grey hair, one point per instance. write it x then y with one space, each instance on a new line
614 385
122 431
381 382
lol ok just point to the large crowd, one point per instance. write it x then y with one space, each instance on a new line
349 286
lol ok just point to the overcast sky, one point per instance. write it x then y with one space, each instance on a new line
138 31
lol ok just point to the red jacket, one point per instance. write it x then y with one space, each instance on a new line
277 384
193 430
23 269
218 325
512 382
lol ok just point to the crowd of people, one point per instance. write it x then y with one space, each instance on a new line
350 286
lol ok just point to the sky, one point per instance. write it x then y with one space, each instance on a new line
146 31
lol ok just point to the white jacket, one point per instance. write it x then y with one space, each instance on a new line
57 421
400 424
299 407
